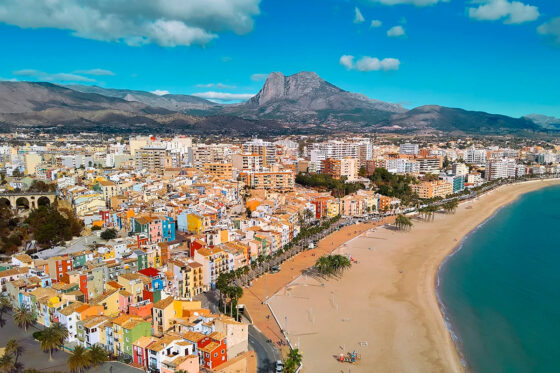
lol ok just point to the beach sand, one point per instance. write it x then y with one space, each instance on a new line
385 307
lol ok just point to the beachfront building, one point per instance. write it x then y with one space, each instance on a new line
432 189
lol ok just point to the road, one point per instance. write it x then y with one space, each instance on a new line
267 354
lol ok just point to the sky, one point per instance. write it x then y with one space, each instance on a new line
499 56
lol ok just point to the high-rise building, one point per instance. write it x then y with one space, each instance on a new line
151 158
409 149
263 148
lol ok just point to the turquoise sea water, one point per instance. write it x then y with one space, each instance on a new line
501 291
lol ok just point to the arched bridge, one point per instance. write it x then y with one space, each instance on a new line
27 200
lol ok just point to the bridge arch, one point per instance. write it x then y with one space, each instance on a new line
22 203
5 202
43 201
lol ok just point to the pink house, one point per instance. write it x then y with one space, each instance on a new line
155 230
124 301
187 364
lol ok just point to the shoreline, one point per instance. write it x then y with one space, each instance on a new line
404 308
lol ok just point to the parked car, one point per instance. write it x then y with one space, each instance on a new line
279 366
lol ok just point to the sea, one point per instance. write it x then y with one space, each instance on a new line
500 290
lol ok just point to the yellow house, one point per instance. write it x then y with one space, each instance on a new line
183 308
224 236
194 223
109 301
333 208
134 284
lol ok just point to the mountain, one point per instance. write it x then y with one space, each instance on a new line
546 122
306 98
299 103
182 103
444 119
46 105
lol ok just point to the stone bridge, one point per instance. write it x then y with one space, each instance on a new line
27 200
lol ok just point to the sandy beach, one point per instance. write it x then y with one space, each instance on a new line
385 307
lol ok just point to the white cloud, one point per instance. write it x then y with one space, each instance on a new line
223 96
411 2
215 85
160 92
258 77
375 23
395 32
47 77
98 72
367 63
8 79
347 61
164 22
512 12
358 17
551 29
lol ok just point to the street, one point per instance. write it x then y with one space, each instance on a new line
267 353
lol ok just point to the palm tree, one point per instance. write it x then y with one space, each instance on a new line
6 363
24 318
402 222
79 360
4 307
61 331
293 361
52 338
97 355
14 348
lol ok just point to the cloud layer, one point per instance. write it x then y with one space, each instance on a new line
511 12
223 96
164 22
411 2
160 92
98 72
48 77
367 63
551 29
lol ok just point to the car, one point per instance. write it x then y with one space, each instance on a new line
279 366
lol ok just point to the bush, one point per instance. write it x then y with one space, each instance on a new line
109 234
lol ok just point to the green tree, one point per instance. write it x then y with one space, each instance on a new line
24 318
109 234
79 360
97 355
52 338
293 361
7 363
403 222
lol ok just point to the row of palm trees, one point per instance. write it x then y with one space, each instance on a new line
402 222
332 264
245 275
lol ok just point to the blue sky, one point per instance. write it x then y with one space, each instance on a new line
500 56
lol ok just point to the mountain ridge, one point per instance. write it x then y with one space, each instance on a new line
297 103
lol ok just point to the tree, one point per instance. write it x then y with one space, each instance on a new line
79 360
52 338
97 355
7 363
14 349
402 222
109 234
4 307
24 318
248 212
293 361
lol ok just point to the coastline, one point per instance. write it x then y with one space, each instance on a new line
394 320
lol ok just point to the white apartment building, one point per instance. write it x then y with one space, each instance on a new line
264 148
475 156
500 169
402 166
408 148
